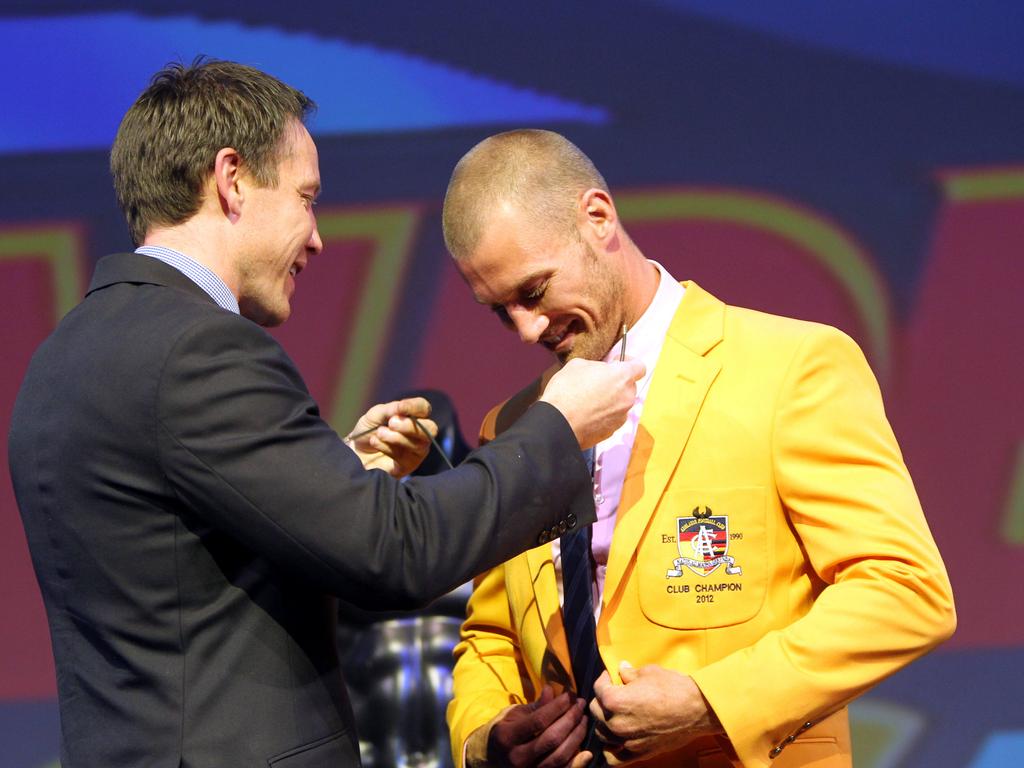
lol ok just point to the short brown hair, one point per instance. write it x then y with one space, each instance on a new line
168 140
540 171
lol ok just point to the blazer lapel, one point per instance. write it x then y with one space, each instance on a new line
545 591
680 383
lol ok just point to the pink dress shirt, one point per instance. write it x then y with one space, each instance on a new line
611 456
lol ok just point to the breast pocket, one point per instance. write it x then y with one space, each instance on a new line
702 563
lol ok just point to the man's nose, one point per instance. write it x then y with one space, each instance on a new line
529 324
315 244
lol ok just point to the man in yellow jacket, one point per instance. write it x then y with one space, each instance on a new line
760 556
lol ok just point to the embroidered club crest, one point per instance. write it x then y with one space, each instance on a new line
703 543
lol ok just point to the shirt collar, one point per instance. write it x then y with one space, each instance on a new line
205 278
645 339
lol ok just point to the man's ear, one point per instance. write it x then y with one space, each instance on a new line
597 214
227 176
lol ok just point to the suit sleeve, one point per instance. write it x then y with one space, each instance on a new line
487 677
849 498
243 446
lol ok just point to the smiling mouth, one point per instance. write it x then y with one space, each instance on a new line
554 341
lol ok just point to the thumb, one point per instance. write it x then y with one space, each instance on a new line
375 416
634 368
627 672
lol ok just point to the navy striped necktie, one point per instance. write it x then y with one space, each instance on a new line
578 604
578 617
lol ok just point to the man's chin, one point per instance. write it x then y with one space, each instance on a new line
267 317
277 316
578 351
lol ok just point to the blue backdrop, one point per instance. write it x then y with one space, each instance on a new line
858 163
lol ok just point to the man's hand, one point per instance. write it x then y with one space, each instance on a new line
546 733
654 710
397 445
594 396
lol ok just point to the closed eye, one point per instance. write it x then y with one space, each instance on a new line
534 295
528 299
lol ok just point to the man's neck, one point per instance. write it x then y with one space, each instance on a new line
191 241
642 279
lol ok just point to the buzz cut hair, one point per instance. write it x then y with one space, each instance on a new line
540 172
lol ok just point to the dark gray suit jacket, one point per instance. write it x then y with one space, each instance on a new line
190 516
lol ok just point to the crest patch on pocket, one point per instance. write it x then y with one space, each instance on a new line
702 540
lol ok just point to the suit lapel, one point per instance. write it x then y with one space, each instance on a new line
681 381
545 592
680 384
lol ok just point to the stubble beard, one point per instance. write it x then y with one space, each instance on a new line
595 344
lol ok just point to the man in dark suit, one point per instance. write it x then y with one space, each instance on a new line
189 513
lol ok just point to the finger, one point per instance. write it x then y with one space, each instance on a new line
413 406
582 759
428 426
627 672
418 430
603 683
547 714
606 723
562 739
598 711
374 445
374 417
368 442
393 442
643 745
547 693
621 755
403 435
606 734
533 719
380 413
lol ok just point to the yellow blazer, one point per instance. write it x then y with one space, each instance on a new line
769 433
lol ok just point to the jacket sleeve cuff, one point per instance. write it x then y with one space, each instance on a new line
474 750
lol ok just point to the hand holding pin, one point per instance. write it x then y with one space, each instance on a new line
352 438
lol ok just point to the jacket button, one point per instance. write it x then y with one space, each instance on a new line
543 538
775 752
563 526
571 520
807 725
